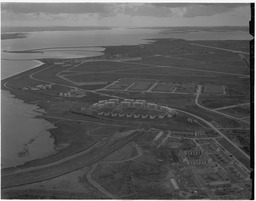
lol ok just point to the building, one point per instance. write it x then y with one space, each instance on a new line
106 113
219 184
199 133
121 114
131 103
194 152
137 104
102 101
128 115
129 100
125 104
100 106
152 116
116 101
110 104
200 159
161 116
136 116
241 172
113 114
151 106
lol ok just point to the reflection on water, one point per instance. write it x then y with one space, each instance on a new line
23 136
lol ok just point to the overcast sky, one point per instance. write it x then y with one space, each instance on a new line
124 14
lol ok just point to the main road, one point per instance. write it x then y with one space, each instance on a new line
218 48
67 166
199 89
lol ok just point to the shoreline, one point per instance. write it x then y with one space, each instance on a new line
108 52
40 63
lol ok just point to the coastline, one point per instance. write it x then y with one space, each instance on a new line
17 95
40 63
110 51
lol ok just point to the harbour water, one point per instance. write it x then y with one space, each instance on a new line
25 137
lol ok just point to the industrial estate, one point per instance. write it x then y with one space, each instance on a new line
165 120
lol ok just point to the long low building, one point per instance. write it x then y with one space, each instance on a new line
131 103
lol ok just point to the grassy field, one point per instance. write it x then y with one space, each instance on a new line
225 101
102 66
119 86
213 89
188 88
165 87
240 111
140 86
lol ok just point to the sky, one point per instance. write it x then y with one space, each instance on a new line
125 14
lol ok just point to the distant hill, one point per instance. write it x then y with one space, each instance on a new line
51 28
5 36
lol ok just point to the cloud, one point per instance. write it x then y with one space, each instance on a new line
202 9
56 8
124 14
139 9
131 9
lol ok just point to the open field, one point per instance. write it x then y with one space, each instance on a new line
239 111
243 45
119 86
238 90
140 86
213 89
186 88
104 66
165 87
217 103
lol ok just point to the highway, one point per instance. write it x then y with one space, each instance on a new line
199 89
231 106
97 185
218 48
55 162
75 163
188 69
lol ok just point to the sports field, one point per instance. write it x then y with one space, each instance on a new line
164 87
213 89
118 86
140 86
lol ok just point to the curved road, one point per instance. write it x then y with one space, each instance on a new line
199 90
31 176
98 186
